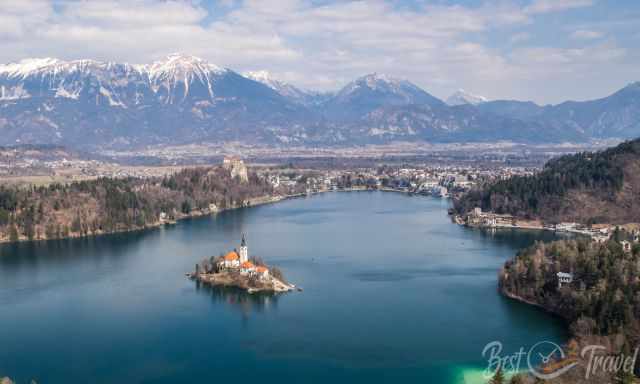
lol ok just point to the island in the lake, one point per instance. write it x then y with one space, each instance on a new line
237 269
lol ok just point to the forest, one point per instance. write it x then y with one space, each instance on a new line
586 186
109 205
602 303
604 297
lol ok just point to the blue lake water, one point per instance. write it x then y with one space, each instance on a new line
392 291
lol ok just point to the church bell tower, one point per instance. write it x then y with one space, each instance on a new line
244 251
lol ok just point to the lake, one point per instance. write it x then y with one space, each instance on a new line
392 291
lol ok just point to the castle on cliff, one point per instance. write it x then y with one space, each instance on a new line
236 167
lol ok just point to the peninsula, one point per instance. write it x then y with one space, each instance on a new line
237 269
592 283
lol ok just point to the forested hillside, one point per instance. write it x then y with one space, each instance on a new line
601 304
588 187
111 205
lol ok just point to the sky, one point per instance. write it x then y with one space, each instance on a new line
547 51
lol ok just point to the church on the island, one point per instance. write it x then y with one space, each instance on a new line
239 260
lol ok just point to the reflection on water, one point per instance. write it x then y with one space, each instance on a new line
239 299
408 274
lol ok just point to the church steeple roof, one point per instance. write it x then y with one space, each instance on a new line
244 242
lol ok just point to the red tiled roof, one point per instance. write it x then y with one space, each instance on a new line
231 256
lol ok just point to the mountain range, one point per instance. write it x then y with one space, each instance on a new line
184 99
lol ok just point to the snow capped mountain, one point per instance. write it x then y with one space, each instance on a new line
172 79
26 67
295 94
77 79
180 97
462 97
373 91
265 78
383 89
185 99
285 89
178 64
178 76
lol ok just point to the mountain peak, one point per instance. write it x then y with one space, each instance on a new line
378 82
182 58
461 97
375 77
179 64
375 90
26 66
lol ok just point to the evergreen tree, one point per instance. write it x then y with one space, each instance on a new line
516 379
13 233
498 377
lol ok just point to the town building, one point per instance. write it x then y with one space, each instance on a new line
564 278
600 239
230 260
262 272
247 268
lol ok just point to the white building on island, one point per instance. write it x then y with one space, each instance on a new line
262 272
244 250
230 260
247 268
239 261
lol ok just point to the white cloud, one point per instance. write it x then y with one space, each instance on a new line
439 47
133 14
566 60
520 37
585 34
546 6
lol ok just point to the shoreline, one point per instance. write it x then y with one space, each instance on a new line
274 285
458 219
257 201
254 202
522 300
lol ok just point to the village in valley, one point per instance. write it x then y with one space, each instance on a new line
237 269
599 233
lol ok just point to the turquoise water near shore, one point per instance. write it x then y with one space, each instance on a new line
392 291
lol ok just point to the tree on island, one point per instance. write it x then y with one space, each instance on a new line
277 273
